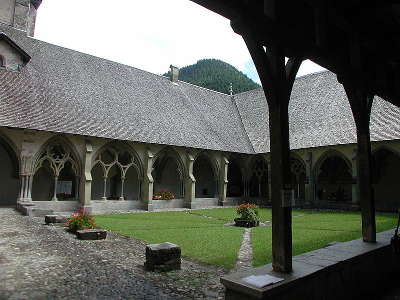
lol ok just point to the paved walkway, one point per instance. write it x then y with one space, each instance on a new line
45 262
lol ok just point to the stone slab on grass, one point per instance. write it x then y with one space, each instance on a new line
55 219
163 257
91 234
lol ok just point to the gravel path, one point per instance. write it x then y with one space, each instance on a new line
45 262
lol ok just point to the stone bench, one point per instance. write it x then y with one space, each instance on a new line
91 234
163 257
55 219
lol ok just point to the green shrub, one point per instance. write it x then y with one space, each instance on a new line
248 212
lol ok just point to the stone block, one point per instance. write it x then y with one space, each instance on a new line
163 257
37 212
55 219
92 234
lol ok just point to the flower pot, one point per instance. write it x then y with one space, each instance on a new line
246 223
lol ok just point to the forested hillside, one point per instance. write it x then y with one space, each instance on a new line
216 75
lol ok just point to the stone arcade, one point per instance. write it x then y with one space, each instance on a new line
77 130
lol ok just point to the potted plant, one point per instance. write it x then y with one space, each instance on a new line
248 215
163 195
80 220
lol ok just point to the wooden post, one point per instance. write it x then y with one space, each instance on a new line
277 79
361 103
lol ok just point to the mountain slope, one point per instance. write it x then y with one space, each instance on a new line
216 75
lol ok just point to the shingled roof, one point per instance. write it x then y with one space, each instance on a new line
319 115
62 90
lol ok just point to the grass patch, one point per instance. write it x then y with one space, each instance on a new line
202 239
207 240
313 231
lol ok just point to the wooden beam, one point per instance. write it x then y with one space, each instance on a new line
277 80
361 103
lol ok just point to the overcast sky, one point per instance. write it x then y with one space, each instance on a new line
148 35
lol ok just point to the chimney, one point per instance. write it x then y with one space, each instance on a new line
20 14
174 73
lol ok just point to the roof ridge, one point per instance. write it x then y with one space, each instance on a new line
201 87
243 126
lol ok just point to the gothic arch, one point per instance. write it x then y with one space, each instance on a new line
56 171
169 172
298 176
236 177
117 173
117 148
385 174
68 146
385 148
327 154
9 172
212 160
205 172
333 177
12 151
258 177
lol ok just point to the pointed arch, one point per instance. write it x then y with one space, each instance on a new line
212 160
13 152
235 187
327 154
44 153
258 177
9 172
56 170
298 176
118 149
122 172
169 172
333 177
386 171
205 171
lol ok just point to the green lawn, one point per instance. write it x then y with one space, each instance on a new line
314 230
207 240
200 238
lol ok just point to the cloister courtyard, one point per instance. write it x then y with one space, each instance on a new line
41 261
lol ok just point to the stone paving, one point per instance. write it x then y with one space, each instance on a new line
245 255
40 261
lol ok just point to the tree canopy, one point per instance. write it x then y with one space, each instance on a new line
216 75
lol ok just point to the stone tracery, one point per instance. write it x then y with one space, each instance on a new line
117 164
56 161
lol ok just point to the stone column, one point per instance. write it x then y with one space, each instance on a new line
85 186
223 182
22 188
309 186
148 181
77 180
104 188
55 188
190 191
122 188
29 195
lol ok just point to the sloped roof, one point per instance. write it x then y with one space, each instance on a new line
319 115
62 90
